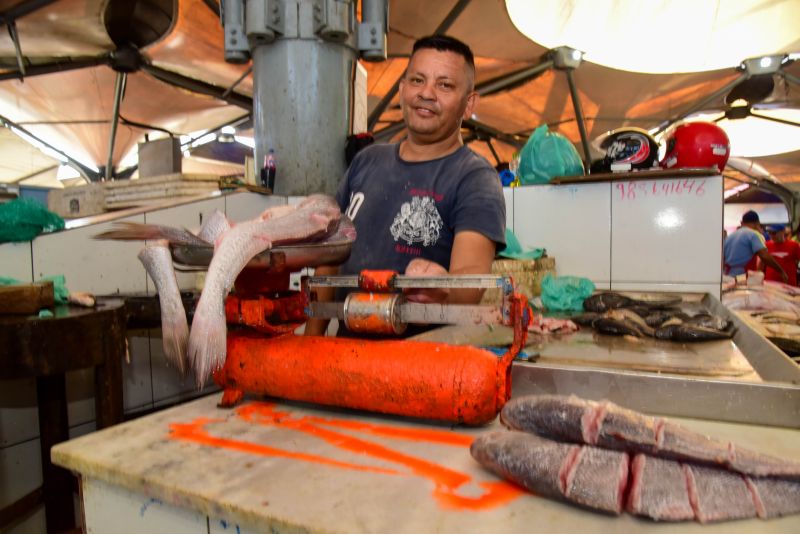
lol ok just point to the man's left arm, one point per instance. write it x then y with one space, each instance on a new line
472 253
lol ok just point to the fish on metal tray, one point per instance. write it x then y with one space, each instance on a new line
131 231
690 332
708 320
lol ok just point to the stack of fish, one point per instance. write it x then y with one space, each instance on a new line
616 314
607 458
204 349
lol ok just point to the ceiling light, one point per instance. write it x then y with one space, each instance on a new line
228 130
620 33
66 172
752 137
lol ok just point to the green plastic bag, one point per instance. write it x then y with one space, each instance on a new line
22 219
547 155
514 250
565 293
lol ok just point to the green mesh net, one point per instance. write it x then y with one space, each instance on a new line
22 219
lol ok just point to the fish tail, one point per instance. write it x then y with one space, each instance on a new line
175 334
207 349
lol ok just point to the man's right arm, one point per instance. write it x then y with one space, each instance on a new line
770 261
317 327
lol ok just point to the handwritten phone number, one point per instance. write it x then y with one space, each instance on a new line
662 188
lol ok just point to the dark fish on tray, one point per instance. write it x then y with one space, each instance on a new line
586 319
664 490
707 320
605 424
602 302
691 332
617 327
657 318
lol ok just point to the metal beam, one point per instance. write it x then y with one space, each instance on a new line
56 66
775 119
448 21
196 86
244 75
494 133
213 5
22 9
703 103
12 32
504 82
791 78
119 89
576 104
88 173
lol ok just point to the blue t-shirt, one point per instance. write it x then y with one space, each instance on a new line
404 209
739 249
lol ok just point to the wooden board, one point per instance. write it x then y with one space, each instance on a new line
26 299
280 467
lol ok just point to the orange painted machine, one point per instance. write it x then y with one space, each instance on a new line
427 380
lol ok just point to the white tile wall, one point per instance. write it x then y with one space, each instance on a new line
20 471
110 508
572 222
100 267
508 195
19 419
244 206
667 231
713 289
33 524
15 261
137 381
80 396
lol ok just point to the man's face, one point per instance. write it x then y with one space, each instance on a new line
435 95
777 236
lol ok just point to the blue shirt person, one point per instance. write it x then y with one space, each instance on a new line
746 242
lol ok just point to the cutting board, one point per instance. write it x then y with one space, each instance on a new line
26 299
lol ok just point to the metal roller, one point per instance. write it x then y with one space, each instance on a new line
374 313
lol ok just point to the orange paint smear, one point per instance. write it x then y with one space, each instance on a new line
446 481
196 432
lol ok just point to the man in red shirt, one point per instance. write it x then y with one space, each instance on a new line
785 251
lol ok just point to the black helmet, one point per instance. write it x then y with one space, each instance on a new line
626 149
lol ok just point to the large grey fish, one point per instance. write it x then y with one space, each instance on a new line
605 424
157 261
315 216
664 490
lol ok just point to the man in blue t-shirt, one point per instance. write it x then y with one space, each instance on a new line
427 205
746 242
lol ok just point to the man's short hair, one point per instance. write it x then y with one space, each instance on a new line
445 43
750 217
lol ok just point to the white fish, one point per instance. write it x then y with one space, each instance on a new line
214 226
157 261
313 217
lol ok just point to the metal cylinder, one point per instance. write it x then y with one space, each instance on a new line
302 101
373 313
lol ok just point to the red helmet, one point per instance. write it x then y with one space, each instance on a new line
696 144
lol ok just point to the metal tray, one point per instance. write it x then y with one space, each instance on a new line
287 257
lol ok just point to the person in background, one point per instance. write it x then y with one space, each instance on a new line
427 205
745 244
785 251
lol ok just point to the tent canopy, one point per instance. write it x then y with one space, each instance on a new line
182 84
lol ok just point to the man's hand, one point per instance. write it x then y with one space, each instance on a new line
420 267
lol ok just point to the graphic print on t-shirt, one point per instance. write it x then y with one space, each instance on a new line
417 222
